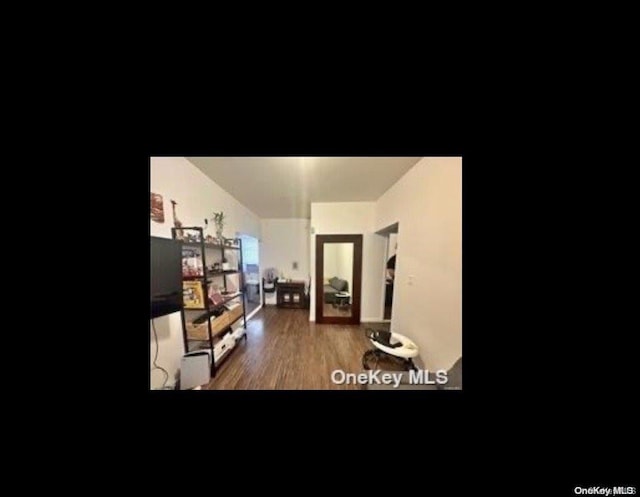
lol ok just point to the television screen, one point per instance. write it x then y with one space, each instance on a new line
166 276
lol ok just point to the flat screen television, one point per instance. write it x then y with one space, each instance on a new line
166 276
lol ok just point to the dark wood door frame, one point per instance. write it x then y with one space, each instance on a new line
356 291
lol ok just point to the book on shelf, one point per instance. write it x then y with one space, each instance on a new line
215 298
231 305
193 295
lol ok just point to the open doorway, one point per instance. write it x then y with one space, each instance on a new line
392 248
251 273
391 234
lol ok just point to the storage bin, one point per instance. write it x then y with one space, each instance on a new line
234 314
200 331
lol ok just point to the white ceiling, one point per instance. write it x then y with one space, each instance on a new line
284 187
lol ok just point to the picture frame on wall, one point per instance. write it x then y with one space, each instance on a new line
157 208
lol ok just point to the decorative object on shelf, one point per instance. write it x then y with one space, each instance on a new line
191 262
216 267
193 295
176 223
218 219
225 265
189 238
210 239
157 208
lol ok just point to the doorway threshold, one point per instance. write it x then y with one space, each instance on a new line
254 312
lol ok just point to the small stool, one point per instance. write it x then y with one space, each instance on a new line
342 299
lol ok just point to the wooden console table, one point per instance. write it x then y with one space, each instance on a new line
291 294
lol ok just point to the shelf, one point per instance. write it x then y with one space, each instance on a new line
210 274
195 321
220 273
212 308
210 245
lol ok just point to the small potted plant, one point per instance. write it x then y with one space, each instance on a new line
218 219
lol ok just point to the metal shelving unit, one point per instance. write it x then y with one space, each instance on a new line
202 315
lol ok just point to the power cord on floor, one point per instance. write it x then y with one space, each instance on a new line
155 366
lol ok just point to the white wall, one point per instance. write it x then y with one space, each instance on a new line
345 263
283 242
353 218
427 204
338 262
393 240
331 264
175 178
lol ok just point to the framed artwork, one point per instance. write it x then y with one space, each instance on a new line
191 263
193 295
157 208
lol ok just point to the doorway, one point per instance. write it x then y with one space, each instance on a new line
391 234
338 278
251 273
390 270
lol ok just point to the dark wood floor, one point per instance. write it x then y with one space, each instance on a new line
284 351
335 310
